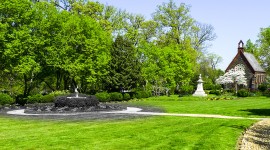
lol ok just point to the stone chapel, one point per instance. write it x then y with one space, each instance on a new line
255 74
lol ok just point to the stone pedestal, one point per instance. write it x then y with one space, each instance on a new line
200 91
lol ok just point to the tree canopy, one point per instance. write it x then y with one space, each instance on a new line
61 44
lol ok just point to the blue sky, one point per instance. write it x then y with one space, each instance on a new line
233 20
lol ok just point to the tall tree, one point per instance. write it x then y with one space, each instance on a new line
203 33
252 48
264 48
175 23
124 72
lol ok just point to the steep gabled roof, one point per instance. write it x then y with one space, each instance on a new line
253 62
248 57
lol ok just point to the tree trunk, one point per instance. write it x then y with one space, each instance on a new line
25 86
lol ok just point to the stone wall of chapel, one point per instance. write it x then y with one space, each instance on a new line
249 75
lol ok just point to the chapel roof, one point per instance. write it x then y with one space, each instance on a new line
253 62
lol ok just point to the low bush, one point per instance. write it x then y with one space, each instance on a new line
6 99
142 94
82 101
21 100
255 93
262 87
59 93
47 98
266 93
187 89
216 92
126 96
103 96
116 96
243 93
34 99
138 95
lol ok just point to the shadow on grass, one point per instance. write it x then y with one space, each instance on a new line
259 112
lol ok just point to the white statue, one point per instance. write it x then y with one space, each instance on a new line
200 91
76 92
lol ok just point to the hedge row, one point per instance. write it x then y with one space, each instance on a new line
116 96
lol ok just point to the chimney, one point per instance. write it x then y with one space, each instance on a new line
241 46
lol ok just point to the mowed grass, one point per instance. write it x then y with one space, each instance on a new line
144 133
157 132
257 107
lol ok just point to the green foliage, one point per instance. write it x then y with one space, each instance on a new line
48 47
6 99
124 72
47 98
103 96
264 48
216 92
243 93
262 87
255 93
142 94
126 96
34 98
59 93
266 93
21 100
187 89
116 96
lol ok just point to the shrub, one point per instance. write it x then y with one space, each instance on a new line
59 93
255 93
138 95
149 93
187 89
82 101
6 99
103 96
34 99
142 94
47 98
126 96
243 93
262 87
216 92
116 96
21 100
266 93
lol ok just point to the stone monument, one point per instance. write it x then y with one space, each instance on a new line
200 91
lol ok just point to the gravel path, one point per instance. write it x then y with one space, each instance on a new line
257 137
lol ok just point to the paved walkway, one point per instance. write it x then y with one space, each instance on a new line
132 110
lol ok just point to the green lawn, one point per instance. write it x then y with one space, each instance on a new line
162 132
145 133
246 107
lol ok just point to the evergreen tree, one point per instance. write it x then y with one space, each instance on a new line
124 72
